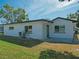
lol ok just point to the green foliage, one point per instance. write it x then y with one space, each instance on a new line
1 13
13 15
78 20
74 16
51 54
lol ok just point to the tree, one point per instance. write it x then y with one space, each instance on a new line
13 15
77 19
74 16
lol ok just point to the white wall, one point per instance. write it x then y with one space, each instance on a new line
45 29
37 29
68 29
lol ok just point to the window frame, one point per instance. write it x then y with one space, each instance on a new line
29 29
59 29
55 29
11 28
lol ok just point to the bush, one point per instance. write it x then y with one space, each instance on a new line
51 54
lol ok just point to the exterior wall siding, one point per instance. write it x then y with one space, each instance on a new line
69 31
37 30
45 29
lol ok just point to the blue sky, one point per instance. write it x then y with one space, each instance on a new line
47 9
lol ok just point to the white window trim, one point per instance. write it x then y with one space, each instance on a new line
59 29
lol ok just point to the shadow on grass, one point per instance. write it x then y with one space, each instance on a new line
21 41
51 54
26 42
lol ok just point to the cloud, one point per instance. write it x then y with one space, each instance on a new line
42 5
66 3
45 7
58 6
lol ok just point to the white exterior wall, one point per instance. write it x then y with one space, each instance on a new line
69 31
45 29
37 29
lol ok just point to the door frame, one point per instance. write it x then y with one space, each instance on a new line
47 30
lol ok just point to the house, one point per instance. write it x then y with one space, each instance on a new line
58 29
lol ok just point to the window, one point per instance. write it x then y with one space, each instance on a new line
28 29
1 29
60 29
56 28
20 33
11 28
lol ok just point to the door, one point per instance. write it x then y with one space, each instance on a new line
26 28
47 30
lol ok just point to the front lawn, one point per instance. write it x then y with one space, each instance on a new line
29 50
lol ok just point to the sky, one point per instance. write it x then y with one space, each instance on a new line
46 9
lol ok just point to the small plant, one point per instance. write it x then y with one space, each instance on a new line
51 54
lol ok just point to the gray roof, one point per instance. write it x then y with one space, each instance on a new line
64 19
31 21
46 20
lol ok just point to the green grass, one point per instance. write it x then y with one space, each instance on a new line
11 50
1 33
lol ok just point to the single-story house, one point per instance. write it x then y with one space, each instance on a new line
58 29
